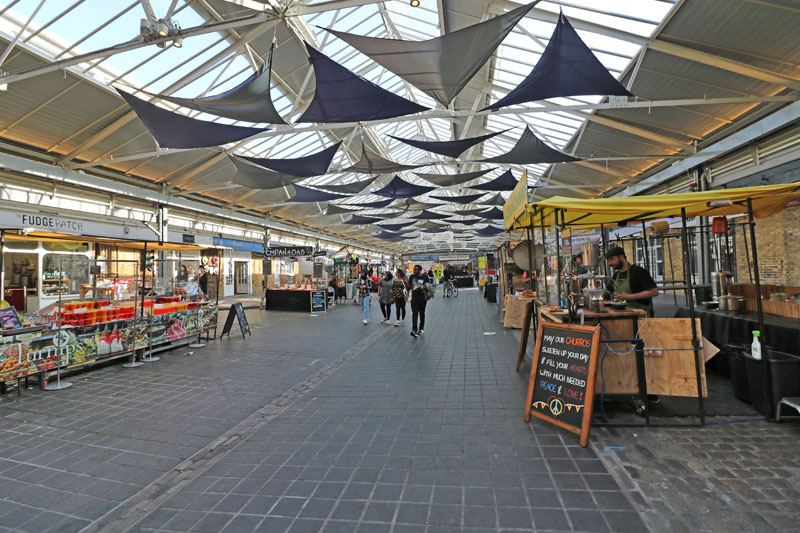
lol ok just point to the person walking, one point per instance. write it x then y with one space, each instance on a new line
418 280
400 296
385 297
364 293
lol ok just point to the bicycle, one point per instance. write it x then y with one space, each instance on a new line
450 289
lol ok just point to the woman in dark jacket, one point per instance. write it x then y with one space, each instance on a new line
385 297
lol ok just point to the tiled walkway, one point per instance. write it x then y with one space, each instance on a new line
315 423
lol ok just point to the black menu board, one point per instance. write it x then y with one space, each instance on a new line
237 311
317 301
561 387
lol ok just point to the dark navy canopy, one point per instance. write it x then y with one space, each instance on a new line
399 188
446 180
306 167
409 204
348 188
334 209
362 220
396 227
489 231
497 199
372 163
492 214
504 182
304 194
467 199
431 215
530 150
449 148
470 222
468 212
173 130
379 203
249 101
441 66
430 224
343 96
255 177
389 236
567 68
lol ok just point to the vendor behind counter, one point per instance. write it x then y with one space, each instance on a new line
630 283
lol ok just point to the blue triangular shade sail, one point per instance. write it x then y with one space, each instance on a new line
470 222
467 199
431 224
441 66
362 220
431 215
567 68
255 177
343 96
530 150
372 163
469 212
504 182
497 199
492 214
489 231
409 204
399 188
173 130
435 230
348 188
306 167
379 203
249 101
446 180
304 194
395 227
449 148
334 209
389 236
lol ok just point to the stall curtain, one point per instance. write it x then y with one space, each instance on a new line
249 101
466 199
504 182
431 215
567 68
348 188
489 231
255 177
372 163
531 150
447 180
344 96
362 220
173 130
305 167
447 148
492 214
399 188
440 67
304 194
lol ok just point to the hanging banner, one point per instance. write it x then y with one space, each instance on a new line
515 210
445 236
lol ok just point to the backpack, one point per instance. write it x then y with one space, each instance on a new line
430 291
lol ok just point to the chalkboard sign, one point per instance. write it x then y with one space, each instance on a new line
317 301
561 388
237 311
317 270
9 318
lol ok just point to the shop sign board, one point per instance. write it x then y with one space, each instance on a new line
454 257
561 386
53 223
188 238
445 236
517 205
289 251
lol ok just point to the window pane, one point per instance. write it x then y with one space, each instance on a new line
73 269
65 246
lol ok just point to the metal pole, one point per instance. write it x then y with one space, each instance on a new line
646 249
687 273
544 258
531 269
558 259
2 266
757 276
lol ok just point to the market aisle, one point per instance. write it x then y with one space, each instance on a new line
407 435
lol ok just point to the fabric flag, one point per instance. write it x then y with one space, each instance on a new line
348 188
343 96
249 101
467 199
448 148
431 215
489 231
531 150
306 166
492 214
442 66
173 130
567 68
399 188
504 182
362 220
304 194
255 177
372 163
447 180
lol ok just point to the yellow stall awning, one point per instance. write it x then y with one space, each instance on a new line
591 213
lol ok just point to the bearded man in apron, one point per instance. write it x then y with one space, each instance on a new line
630 282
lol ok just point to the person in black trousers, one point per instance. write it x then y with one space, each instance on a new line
202 281
418 301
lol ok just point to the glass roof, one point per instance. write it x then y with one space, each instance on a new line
72 27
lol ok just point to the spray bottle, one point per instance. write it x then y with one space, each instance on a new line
755 351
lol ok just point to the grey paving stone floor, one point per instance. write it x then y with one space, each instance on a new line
319 423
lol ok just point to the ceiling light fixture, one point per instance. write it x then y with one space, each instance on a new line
414 3
163 29
178 42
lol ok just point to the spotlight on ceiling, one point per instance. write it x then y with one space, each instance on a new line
178 42
163 29
414 3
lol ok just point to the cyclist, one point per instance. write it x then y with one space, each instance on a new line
448 277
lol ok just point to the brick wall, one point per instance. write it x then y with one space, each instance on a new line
778 241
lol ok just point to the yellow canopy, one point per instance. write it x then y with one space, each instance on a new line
581 213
